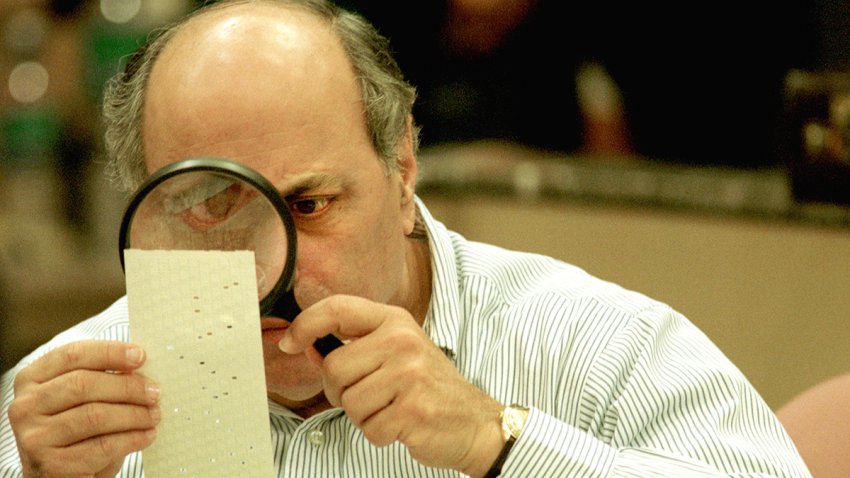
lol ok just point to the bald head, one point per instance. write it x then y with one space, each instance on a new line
250 72
231 63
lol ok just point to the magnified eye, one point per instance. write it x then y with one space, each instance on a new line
216 209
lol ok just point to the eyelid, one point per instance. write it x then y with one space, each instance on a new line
179 201
322 203
304 185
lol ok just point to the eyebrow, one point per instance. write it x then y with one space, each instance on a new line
310 181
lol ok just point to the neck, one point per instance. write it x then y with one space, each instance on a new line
306 408
419 277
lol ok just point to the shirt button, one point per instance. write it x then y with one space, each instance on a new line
316 437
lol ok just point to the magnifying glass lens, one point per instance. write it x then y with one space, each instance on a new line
214 211
212 204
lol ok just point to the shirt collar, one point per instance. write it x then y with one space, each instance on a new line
443 318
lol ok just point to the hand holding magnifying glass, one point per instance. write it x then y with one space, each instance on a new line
215 204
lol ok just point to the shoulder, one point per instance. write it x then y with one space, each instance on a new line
523 278
530 295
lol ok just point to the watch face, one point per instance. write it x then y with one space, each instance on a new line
514 420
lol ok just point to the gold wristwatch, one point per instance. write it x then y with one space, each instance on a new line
513 420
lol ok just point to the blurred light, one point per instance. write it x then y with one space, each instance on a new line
120 11
28 82
159 12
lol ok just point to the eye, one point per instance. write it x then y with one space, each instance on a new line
217 208
309 206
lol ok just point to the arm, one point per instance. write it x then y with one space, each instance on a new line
658 400
652 397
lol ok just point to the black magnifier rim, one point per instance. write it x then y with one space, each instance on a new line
227 168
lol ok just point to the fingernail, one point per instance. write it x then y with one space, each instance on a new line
135 355
156 414
152 390
151 434
285 344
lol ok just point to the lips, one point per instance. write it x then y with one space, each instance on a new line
273 329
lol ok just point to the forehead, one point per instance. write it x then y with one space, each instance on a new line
254 42
250 79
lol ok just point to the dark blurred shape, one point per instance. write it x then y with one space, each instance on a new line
703 83
500 75
817 139
64 9
699 84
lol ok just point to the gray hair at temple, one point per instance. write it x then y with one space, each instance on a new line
387 96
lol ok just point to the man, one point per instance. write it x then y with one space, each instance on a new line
443 335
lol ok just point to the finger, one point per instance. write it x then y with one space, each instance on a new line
95 419
81 386
87 355
97 456
346 368
391 343
383 428
368 397
347 317
358 358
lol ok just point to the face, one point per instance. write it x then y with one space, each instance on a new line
292 111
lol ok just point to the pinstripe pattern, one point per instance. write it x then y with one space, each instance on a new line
619 384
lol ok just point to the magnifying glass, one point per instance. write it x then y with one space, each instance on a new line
215 204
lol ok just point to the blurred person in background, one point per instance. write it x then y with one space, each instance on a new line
689 84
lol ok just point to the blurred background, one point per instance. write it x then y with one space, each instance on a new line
700 155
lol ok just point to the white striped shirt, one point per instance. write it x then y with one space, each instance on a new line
618 384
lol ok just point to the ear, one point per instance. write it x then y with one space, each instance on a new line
408 172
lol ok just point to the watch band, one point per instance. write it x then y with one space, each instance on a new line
496 469
513 420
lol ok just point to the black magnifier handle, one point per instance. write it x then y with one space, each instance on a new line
286 307
327 344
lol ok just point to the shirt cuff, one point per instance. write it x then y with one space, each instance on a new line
550 447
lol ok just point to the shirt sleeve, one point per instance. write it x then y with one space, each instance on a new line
660 400
10 463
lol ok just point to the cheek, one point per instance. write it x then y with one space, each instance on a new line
323 268
362 263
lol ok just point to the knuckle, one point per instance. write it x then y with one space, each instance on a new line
332 362
131 386
96 454
334 305
349 404
115 352
93 417
414 372
29 440
18 411
22 410
405 338
71 353
105 446
22 380
79 384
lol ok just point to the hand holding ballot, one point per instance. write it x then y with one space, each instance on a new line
81 408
